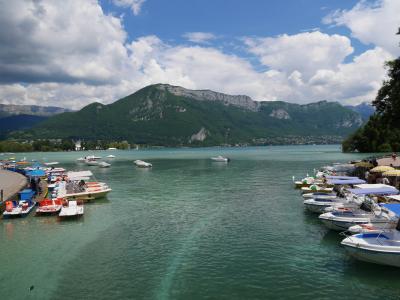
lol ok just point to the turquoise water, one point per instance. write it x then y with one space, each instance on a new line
190 229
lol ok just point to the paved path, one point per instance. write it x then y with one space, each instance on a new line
11 183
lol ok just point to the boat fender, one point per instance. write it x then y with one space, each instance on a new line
9 206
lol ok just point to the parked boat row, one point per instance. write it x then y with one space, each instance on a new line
53 191
367 214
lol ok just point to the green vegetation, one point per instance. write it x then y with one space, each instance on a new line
382 131
154 116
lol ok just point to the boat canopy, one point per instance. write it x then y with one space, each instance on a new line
373 186
394 207
79 175
340 177
36 173
374 191
346 181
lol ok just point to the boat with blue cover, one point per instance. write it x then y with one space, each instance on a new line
380 248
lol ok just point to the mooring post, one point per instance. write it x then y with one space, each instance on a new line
1 196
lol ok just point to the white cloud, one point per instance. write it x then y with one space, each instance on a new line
199 37
304 52
372 22
135 5
71 53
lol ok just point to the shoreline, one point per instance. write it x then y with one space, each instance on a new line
11 183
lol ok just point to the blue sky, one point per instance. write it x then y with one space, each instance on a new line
70 53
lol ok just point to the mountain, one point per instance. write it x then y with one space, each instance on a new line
31 110
364 109
19 117
169 115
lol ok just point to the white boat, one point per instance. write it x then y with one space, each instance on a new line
86 191
220 158
380 248
71 208
320 195
110 156
18 208
93 157
318 205
112 148
316 188
343 219
103 164
91 162
142 164
52 163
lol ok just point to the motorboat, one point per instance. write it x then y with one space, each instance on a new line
49 206
380 248
103 164
342 219
318 205
52 163
91 162
220 158
93 157
82 190
316 188
21 208
110 156
142 164
394 213
320 195
72 208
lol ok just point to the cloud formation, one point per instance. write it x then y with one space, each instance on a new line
134 5
71 53
199 37
371 22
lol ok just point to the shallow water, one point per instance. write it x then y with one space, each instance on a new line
190 229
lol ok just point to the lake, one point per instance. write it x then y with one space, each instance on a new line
190 228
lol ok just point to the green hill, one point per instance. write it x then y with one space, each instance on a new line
169 115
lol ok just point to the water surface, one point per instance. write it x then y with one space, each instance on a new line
190 229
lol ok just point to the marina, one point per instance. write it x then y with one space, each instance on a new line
189 227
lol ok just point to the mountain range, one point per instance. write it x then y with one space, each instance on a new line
19 117
169 115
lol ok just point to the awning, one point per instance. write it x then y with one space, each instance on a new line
394 207
373 186
36 173
374 191
346 181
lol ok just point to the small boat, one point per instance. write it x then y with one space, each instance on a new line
52 163
318 205
342 219
142 164
103 164
71 209
316 188
220 158
18 208
381 248
320 195
92 157
91 162
49 206
112 148
110 156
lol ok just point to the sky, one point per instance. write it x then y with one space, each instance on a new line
73 52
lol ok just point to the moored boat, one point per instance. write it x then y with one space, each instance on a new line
49 206
142 164
17 208
72 208
220 158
